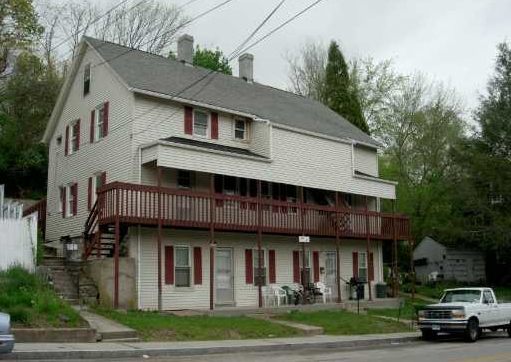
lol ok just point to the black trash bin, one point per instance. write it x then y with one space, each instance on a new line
360 291
381 290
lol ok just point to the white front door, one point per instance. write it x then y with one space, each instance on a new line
331 272
224 290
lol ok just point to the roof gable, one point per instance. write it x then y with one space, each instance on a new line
149 72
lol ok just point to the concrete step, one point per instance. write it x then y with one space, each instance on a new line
121 340
116 335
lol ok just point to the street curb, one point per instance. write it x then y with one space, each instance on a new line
133 351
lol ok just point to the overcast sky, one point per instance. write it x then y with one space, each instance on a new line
453 41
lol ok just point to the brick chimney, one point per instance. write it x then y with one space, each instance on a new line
185 49
246 67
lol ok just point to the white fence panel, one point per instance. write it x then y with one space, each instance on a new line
18 242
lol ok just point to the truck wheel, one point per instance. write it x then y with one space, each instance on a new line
472 331
428 334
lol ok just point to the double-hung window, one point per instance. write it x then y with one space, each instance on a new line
362 266
71 200
240 129
184 179
86 79
182 266
99 122
258 271
305 273
73 141
97 182
200 123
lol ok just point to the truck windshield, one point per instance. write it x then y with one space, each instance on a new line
468 296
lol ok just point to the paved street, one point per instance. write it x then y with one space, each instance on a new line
496 348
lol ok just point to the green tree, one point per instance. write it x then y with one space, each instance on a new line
212 59
484 163
18 26
338 95
26 104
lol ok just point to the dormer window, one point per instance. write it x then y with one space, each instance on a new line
86 79
240 129
200 123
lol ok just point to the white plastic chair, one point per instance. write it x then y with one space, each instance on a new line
324 290
279 294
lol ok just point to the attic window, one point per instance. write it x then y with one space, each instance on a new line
240 129
86 79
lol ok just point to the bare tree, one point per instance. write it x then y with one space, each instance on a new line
307 70
76 20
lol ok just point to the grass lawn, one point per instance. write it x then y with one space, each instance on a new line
407 311
33 303
152 326
338 322
435 291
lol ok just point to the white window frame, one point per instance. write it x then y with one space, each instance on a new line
69 200
244 130
208 123
71 144
61 191
363 266
189 267
99 115
255 266
96 180
307 264
87 66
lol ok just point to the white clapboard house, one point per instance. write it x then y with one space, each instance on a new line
186 187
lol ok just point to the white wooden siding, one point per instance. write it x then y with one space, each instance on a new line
366 160
298 159
197 296
111 154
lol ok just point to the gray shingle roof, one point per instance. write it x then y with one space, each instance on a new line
166 76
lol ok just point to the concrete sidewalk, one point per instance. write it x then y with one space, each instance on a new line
55 351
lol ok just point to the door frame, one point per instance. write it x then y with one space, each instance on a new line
232 301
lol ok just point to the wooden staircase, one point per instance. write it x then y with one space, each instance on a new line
99 240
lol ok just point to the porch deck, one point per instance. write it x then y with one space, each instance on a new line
146 205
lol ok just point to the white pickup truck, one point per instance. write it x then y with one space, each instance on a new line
465 311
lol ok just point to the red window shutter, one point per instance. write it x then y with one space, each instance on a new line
64 192
249 268
77 134
103 178
315 265
106 106
197 265
355 264
169 265
66 146
296 266
188 120
371 267
214 125
272 266
74 191
89 194
92 122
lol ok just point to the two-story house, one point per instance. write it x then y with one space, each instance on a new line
198 184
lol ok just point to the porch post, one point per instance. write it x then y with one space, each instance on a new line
211 241
302 271
259 245
337 242
116 250
368 234
395 278
159 241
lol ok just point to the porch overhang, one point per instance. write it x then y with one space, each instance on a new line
191 157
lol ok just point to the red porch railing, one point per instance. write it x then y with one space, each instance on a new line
138 204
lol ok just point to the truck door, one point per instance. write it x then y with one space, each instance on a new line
490 308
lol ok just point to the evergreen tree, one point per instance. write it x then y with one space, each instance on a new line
338 94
